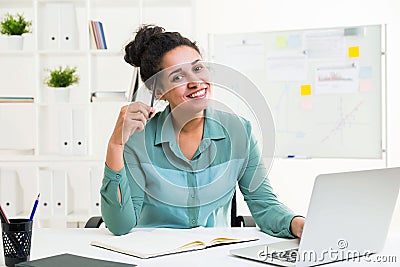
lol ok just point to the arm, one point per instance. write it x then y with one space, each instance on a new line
271 216
121 197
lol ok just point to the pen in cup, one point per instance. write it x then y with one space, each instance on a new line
34 208
3 216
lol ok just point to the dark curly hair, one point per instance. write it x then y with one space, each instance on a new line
151 43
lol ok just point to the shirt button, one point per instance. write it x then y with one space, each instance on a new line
192 196
193 221
118 175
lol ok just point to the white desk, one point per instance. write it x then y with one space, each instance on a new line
48 242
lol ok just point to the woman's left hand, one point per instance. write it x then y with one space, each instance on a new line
297 225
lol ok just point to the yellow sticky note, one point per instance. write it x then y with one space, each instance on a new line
305 89
354 51
281 41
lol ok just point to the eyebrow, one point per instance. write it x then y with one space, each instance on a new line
180 69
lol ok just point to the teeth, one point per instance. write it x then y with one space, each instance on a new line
199 93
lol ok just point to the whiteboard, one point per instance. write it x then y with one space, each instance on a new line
323 86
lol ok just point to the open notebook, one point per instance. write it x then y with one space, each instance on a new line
148 243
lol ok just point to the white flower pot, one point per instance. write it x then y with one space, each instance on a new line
59 94
15 42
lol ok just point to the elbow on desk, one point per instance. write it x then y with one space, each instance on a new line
118 226
117 222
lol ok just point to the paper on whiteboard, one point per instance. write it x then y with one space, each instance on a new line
325 44
286 66
336 80
248 55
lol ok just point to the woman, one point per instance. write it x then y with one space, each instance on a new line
179 168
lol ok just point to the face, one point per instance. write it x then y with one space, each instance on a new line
184 79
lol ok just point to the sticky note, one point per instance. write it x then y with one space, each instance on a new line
305 89
294 40
366 85
354 51
365 72
281 41
306 103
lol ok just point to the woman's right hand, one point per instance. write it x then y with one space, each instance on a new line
131 117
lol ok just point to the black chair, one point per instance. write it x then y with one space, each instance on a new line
236 221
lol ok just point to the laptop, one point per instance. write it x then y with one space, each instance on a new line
348 217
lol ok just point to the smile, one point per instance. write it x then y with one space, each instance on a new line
198 94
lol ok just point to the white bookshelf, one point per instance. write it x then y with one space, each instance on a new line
30 143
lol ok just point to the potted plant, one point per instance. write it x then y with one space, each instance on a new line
59 81
14 26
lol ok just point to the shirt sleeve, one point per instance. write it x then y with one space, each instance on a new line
269 213
120 217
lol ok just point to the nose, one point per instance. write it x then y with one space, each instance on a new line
195 84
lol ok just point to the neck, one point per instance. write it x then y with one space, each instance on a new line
188 123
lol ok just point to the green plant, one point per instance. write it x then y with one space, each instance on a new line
60 77
15 25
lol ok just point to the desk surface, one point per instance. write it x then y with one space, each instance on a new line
48 242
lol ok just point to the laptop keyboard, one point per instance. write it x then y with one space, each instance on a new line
286 255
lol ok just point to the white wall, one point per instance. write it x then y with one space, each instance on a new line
293 179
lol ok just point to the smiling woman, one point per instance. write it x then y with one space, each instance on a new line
179 168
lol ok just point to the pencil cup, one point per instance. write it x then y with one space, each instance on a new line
16 241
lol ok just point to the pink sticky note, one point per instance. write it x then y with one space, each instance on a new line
306 103
366 85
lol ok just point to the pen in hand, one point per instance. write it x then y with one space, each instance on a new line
152 96
34 208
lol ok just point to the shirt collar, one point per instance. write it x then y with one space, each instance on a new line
213 128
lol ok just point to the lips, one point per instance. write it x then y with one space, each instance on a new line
198 94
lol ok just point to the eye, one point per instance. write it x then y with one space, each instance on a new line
198 68
177 78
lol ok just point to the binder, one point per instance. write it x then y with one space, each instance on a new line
65 131
46 193
59 27
11 194
68 27
50 26
61 201
80 131
96 178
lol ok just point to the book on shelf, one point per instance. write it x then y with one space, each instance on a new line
97 35
16 99
149 243
125 96
134 86
108 96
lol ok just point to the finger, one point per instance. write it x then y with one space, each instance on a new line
139 106
152 113
138 125
138 117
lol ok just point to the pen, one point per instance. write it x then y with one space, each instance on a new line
3 216
34 208
152 96
297 157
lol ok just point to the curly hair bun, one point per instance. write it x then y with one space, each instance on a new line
135 49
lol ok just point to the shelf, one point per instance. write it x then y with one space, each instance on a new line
106 52
45 159
11 53
62 52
